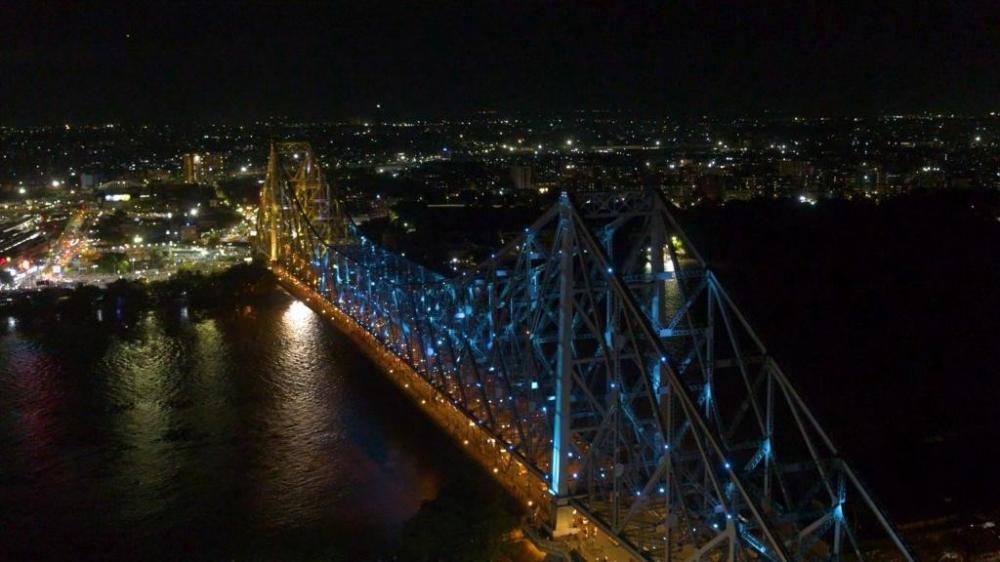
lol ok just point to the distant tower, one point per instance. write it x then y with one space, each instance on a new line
90 180
192 162
203 168
521 176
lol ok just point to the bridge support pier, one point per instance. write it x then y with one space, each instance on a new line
562 519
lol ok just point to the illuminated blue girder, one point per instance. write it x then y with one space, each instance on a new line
605 355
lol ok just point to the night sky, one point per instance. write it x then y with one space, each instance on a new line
77 62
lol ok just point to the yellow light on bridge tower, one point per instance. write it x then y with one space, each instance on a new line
297 206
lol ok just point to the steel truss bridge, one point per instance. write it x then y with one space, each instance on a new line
604 355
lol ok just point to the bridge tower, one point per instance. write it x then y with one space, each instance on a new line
298 216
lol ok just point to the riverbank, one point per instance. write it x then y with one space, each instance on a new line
194 291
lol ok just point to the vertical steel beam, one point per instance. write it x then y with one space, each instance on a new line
564 357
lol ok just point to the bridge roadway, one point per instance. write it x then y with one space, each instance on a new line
526 484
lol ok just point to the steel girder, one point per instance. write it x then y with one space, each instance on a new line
298 219
603 353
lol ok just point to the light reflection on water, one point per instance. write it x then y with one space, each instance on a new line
262 428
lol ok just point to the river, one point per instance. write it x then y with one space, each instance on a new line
254 433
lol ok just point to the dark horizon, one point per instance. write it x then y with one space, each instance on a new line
311 61
370 118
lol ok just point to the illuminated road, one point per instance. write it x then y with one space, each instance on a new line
71 243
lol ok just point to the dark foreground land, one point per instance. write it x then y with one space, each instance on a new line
886 316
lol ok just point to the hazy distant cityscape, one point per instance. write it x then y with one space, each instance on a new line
90 203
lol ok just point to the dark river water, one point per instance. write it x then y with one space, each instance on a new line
253 434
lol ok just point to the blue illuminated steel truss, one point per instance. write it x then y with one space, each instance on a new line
605 355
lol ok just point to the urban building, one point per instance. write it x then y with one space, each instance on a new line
203 167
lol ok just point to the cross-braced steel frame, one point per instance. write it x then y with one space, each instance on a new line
298 220
604 354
